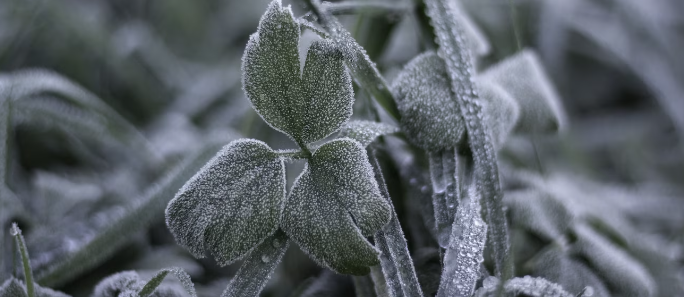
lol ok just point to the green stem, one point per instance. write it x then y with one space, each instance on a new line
28 274
294 154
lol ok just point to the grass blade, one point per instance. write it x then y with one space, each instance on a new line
453 50
258 267
26 263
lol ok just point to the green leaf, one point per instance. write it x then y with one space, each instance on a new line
13 288
128 283
258 267
430 115
366 132
307 106
232 204
525 286
365 73
539 213
554 265
333 205
522 76
157 279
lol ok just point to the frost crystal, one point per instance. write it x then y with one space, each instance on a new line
307 106
333 205
430 115
232 204
365 132
522 76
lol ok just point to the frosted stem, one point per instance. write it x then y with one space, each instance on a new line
395 260
21 245
445 191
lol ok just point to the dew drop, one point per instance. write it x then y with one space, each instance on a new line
265 258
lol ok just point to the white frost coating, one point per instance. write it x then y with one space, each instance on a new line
258 267
152 285
307 105
13 287
128 284
454 51
366 132
232 204
627 276
430 114
526 286
476 39
502 111
540 213
522 76
333 205
465 251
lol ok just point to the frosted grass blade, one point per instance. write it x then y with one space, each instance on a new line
395 259
258 267
157 279
453 50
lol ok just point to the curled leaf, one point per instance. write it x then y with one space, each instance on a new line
430 115
308 106
522 76
232 204
366 132
333 205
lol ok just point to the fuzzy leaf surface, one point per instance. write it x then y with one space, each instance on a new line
232 204
308 105
333 205
502 111
430 115
366 132
16 288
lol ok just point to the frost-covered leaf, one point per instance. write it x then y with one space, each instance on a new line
522 286
502 111
16 288
307 106
464 254
395 259
151 285
458 60
138 217
25 261
476 39
556 266
623 274
539 212
333 205
129 284
258 267
445 191
365 73
366 132
232 204
430 115
522 76
13 288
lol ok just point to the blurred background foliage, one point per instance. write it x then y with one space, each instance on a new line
116 103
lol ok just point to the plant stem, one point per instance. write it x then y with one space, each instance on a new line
28 274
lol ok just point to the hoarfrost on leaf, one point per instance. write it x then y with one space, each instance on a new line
522 76
430 115
308 105
366 132
232 204
502 112
333 205
13 287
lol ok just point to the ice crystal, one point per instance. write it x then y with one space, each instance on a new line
232 204
430 115
307 106
333 205
523 77
365 132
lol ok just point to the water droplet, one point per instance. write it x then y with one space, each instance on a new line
14 230
265 258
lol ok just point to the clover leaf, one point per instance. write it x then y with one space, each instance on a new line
307 106
333 204
232 204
